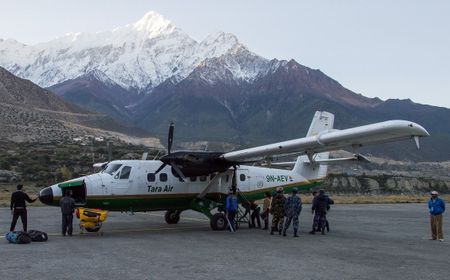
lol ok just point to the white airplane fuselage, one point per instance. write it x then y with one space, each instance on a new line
142 190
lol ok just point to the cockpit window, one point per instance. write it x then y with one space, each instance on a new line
125 172
111 168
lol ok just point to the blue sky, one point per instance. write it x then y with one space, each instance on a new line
388 49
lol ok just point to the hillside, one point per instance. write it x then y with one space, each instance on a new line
29 113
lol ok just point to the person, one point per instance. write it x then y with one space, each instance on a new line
67 204
277 211
255 214
19 208
266 209
231 207
293 207
315 226
436 207
321 204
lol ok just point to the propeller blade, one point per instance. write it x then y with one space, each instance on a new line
170 138
178 171
160 168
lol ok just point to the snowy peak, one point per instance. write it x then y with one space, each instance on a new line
154 25
138 56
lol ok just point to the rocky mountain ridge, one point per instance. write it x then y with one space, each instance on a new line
29 113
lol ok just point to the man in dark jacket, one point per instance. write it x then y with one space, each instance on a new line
67 204
320 206
19 208
436 207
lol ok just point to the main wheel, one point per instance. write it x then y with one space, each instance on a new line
172 216
218 222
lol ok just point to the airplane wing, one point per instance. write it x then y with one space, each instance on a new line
332 139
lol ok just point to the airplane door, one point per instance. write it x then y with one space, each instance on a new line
122 181
243 179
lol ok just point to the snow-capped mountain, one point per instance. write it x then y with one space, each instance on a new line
138 56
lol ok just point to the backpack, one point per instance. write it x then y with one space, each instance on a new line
18 237
38 236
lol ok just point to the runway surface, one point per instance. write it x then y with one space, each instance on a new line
365 242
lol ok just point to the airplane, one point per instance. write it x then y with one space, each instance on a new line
201 181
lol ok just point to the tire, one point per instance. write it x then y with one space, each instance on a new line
172 217
96 229
218 222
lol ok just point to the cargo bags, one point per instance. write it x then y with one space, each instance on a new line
38 236
21 237
18 237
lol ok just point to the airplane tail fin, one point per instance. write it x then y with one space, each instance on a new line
322 121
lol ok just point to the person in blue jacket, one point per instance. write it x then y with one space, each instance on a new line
437 207
231 207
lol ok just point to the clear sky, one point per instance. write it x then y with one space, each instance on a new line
388 49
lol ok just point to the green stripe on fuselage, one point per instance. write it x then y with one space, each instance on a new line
157 202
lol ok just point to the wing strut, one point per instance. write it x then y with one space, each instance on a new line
416 139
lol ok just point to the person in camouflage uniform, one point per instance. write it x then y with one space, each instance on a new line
277 211
293 207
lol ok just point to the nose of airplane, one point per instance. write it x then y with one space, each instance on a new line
46 195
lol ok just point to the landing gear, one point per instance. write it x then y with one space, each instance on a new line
94 229
218 222
172 216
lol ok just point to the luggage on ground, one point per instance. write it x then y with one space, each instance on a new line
18 237
38 236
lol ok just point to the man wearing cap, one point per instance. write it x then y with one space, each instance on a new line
292 207
277 211
437 207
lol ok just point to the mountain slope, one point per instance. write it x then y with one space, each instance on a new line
96 92
279 106
29 113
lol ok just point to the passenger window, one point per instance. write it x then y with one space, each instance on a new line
125 172
242 177
202 178
163 177
151 177
193 179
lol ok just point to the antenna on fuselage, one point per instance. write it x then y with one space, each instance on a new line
109 151
144 156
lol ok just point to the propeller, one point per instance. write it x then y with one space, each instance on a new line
170 138
167 160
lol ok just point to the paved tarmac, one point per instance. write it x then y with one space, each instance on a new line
365 242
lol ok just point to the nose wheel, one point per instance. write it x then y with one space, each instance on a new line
172 216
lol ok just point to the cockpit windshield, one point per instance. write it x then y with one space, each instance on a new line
111 168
